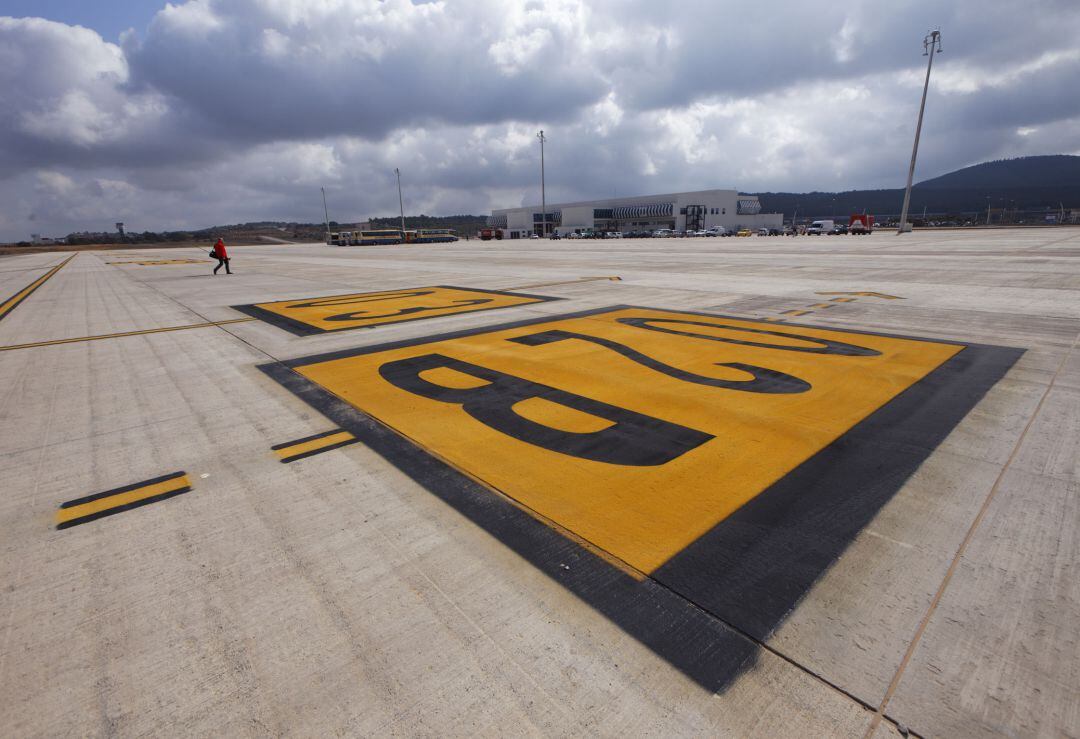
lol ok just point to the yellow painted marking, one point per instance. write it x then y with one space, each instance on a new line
358 310
64 515
124 333
797 312
155 262
773 318
10 304
865 294
612 278
822 306
313 445
641 514
843 300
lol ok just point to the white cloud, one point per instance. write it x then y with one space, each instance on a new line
240 109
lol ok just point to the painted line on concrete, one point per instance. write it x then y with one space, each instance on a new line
331 313
56 342
612 278
823 306
865 294
797 312
157 262
118 500
844 300
13 302
309 446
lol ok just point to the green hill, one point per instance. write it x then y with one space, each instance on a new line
1029 185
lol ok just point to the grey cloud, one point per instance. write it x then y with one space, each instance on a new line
241 110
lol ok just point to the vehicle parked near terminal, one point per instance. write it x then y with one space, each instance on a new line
338 238
716 231
816 228
763 232
744 232
488 233
838 230
375 237
860 224
430 236
663 233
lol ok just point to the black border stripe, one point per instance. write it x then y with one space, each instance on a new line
122 508
306 439
320 450
304 329
679 612
124 489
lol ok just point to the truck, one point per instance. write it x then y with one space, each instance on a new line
816 228
860 223
488 233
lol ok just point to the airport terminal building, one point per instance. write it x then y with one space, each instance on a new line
682 211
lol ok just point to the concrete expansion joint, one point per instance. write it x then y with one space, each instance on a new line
969 535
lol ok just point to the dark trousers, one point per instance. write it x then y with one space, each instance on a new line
220 262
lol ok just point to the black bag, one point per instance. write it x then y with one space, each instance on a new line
213 255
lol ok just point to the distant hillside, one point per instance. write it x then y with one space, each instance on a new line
1029 184
1045 171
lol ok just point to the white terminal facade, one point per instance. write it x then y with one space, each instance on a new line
680 211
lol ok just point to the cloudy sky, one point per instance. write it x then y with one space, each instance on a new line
190 114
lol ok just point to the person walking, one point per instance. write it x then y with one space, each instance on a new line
221 256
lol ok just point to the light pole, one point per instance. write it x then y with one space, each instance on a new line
400 202
543 194
931 46
326 214
987 210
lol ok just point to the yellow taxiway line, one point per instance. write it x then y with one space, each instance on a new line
13 302
77 339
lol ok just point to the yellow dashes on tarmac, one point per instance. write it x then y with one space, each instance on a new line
365 310
99 505
311 445
636 429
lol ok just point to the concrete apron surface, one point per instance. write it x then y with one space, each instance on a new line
885 548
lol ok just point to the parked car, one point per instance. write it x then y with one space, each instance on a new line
554 236
763 232
716 231
744 232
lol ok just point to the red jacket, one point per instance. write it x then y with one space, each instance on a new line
219 249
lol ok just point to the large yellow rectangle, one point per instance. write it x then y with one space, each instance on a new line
364 310
636 429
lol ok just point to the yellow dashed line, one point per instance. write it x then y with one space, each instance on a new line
93 507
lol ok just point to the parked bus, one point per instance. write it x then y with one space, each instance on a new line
379 236
430 236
